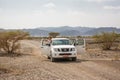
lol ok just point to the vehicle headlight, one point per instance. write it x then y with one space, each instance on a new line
56 49
72 49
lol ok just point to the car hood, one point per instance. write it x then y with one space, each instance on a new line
63 46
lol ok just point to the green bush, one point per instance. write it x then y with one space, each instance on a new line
9 40
106 39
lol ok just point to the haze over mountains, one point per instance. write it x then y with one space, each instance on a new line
70 31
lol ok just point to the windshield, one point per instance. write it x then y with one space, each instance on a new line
61 42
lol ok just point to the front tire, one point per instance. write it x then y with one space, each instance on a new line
48 57
74 59
52 59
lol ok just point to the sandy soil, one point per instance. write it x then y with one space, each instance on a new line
34 66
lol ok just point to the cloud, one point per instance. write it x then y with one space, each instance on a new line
49 5
75 13
100 0
112 7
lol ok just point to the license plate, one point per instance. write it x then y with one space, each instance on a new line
65 55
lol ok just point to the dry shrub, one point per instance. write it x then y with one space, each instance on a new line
106 39
54 34
9 40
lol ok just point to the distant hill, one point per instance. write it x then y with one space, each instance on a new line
69 31
1 30
63 30
37 32
99 30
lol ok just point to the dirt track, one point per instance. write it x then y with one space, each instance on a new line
35 66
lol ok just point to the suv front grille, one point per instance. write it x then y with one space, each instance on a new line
65 49
65 54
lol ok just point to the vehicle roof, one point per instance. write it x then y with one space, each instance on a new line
60 39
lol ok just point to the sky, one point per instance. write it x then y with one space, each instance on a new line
19 14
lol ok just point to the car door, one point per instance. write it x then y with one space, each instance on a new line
45 47
80 45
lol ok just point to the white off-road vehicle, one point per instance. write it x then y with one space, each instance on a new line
59 48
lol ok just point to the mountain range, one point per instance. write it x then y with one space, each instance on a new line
70 31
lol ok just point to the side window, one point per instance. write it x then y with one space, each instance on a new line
73 41
45 42
80 42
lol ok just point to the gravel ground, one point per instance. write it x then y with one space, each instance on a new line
33 66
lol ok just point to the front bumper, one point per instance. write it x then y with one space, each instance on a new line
64 55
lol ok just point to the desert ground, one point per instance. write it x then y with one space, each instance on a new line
34 65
